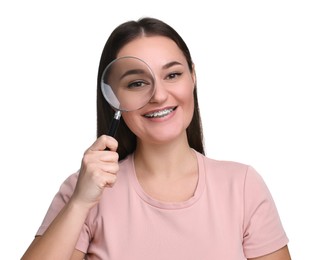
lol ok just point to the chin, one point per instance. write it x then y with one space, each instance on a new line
166 136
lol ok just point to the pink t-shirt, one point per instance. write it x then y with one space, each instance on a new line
231 216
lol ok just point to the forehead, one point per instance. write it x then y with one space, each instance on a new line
154 50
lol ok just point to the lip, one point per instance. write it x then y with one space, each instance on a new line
159 112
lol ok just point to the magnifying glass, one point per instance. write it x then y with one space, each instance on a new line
127 84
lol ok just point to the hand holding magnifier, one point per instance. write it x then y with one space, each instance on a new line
127 84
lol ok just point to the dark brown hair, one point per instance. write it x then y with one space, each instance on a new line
122 35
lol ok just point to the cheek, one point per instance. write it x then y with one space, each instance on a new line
187 97
130 119
186 92
191 107
187 103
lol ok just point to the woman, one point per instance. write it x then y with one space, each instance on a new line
151 193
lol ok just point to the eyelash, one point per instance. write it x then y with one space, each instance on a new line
136 84
174 75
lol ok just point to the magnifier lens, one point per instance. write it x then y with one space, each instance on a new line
128 84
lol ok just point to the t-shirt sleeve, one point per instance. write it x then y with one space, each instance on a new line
263 230
60 199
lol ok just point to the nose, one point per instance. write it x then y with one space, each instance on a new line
160 93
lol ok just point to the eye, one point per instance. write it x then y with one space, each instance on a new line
137 84
174 75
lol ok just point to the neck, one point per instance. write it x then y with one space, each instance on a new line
166 160
167 172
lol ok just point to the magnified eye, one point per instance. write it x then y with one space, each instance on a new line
137 84
128 83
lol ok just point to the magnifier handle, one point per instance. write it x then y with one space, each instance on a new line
114 124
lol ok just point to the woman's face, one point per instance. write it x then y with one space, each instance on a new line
170 110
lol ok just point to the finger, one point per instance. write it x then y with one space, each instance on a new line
111 168
104 179
100 156
108 156
103 142
92 164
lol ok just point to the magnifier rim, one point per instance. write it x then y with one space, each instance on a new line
103 83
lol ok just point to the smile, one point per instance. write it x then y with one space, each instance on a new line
161 113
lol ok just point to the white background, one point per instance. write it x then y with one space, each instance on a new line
256 65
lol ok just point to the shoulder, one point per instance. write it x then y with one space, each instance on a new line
224 169
225 166
230 173
70 181
237 178
67 187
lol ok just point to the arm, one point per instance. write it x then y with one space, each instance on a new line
281 254
77 255
97 171
59 240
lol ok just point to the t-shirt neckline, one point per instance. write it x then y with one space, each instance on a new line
170 205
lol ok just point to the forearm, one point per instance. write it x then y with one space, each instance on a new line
59 240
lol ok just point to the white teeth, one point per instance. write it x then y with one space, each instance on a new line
160 113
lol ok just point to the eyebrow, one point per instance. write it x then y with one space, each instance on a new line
132 72
171 64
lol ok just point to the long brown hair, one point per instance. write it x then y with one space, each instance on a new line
122 35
